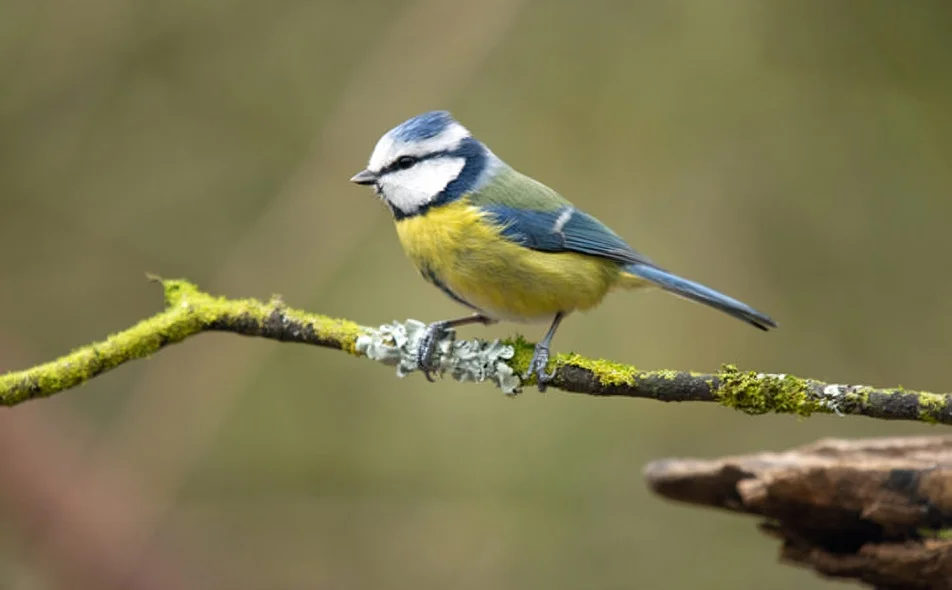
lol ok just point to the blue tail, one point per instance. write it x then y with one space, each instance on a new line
700 293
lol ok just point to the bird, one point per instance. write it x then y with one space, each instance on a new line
503 244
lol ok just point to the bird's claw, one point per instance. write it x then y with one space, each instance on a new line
537 366
427 346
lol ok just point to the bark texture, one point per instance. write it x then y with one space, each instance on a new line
875 510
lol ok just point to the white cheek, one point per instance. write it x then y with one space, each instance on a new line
410 189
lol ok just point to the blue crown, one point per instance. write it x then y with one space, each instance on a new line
425 126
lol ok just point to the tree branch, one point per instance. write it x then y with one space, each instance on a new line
189 311
875 510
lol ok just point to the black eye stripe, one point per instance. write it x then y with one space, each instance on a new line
412 161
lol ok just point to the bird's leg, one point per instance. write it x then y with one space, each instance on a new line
540 356
434 332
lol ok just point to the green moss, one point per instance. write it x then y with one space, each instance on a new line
941 534
207 308
84 363
606 372
667 374
756 393
931 407
522 355
188 311
858 396
177 290
343 331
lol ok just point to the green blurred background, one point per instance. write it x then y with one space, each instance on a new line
795 154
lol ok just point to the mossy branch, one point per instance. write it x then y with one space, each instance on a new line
189 311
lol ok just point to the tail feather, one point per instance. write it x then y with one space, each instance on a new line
698 292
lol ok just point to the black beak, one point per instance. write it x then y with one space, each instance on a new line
365 177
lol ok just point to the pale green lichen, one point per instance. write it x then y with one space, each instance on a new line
932 406
759 393
858 395
396 344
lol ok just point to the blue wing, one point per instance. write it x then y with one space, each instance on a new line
565 229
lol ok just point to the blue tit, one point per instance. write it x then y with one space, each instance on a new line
502 244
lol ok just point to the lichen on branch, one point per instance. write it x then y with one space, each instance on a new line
189 311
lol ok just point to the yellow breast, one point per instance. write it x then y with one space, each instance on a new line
456 245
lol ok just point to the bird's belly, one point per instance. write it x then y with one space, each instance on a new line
526 285
455 249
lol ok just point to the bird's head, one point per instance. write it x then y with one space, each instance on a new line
425 161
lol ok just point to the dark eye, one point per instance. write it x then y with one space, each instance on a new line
404 162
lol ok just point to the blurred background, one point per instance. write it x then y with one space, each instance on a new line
794 154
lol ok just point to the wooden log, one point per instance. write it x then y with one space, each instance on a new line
876 510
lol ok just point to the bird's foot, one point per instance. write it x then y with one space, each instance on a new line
427 346
537 366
